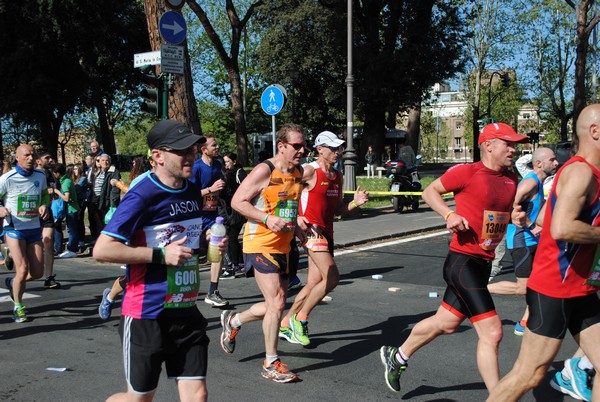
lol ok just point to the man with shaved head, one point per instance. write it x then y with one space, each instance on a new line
559 294
522 241
25 194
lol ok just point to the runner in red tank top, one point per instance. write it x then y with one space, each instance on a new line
484 192
558 294
320 201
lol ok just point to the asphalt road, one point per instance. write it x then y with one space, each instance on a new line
342 363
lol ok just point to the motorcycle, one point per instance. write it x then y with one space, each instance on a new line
403 178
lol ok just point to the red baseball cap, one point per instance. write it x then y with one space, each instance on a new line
501 131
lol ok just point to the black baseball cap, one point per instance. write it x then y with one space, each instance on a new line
172 134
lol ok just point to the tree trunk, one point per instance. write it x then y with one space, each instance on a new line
476 153
581 52
414 126
182 102
107 135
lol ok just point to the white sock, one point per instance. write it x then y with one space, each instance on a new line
111 301
235 321
585 364
401 357
270 359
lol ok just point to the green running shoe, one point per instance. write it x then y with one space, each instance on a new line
287 334
299 330
20 314
393 369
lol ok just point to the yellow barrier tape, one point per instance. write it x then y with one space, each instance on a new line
419 193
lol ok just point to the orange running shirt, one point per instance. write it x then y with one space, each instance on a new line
280 198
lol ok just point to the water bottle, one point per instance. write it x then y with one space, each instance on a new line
217 232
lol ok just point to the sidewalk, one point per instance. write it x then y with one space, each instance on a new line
368 225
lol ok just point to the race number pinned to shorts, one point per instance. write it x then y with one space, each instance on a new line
493 229
316 241
210 202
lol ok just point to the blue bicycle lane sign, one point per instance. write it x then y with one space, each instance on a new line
272 99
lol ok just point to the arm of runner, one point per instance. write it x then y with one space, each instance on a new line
525 191
575 189
214 188
432 195
253 185
360 198
111 249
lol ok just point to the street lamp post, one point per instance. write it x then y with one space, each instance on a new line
438 120
349 155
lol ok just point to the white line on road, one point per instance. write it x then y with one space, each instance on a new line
391 243
6 298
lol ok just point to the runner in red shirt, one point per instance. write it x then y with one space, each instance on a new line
484 192
320 201
559 293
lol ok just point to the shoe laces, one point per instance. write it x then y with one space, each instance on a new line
280 367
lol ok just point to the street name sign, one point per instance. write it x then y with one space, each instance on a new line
146 59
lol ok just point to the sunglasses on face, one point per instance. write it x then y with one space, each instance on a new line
297 146
336 149
180 152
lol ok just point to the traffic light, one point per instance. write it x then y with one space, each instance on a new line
534 137
505 79
152 93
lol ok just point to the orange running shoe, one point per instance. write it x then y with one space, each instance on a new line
278 372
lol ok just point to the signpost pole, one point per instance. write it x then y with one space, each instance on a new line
165 98
274 134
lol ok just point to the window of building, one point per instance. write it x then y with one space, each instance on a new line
526 116
457 142
458 125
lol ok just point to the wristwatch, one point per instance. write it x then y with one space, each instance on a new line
531 226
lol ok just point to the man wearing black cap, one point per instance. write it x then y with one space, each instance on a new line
484 193
155 230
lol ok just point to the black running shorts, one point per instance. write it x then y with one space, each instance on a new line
551 317
523 260
180 342
467 294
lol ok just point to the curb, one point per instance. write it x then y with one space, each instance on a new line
388 236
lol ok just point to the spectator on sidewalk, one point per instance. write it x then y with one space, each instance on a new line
371 159
66 191
233 175
104 195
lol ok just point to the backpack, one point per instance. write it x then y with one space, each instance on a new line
58 208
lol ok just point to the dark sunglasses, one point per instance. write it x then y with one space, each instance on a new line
296 146
336 149
180 152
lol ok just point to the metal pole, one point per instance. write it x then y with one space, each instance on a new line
273 134
437 138
165 98
349 155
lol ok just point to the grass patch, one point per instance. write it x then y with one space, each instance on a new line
377 184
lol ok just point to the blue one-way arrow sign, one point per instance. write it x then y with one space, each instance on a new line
172 27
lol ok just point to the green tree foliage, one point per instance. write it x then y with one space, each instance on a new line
400 50
57 55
